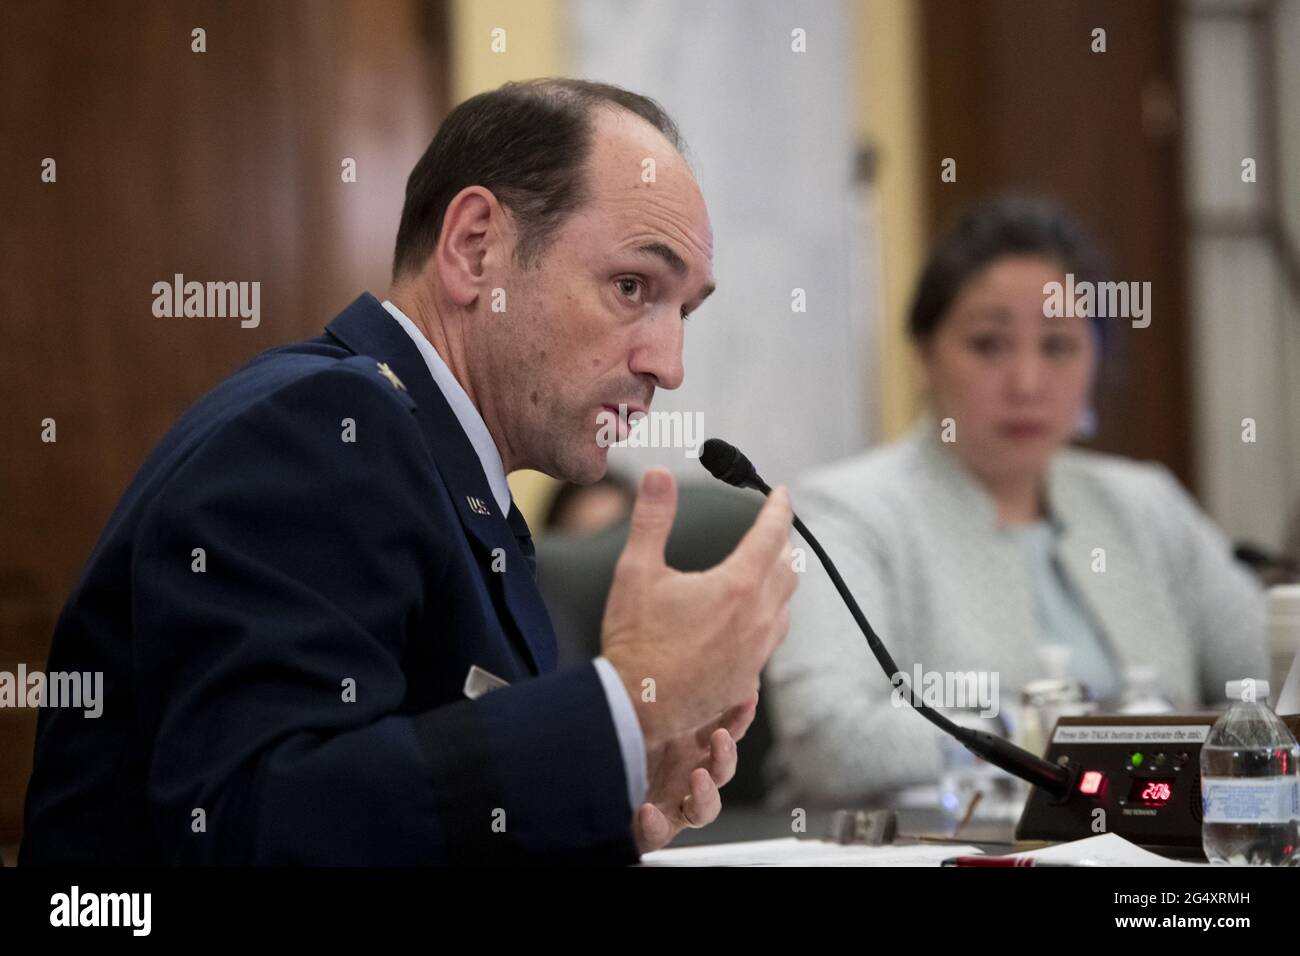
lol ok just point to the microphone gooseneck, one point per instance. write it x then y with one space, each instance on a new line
726 463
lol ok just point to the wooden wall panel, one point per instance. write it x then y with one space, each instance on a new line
1014 92
223 165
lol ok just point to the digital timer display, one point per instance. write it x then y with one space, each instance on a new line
1151 792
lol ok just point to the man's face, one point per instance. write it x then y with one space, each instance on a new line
598 321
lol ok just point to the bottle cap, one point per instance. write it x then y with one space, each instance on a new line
1236 689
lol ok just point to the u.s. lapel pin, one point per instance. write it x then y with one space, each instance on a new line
389 374
477 505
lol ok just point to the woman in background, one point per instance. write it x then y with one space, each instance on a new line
981 536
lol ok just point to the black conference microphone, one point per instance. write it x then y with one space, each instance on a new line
726 463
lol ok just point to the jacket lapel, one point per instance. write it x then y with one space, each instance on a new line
1100 558
366 328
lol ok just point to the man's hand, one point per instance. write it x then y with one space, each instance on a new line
690 646
688 772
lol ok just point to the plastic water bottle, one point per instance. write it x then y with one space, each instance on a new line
1048 698
963 775
1250 787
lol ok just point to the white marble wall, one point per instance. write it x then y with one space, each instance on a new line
770 134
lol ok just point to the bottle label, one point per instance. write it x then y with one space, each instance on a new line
1257 800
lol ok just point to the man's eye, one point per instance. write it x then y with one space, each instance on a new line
631 288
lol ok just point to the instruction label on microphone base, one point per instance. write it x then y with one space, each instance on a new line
1120 734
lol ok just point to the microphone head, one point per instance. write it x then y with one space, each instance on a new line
725 462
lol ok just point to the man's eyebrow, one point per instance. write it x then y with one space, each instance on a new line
667 254
675 262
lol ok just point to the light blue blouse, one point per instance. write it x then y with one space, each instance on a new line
1060 615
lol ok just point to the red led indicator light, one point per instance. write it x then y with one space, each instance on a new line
1091 782
1156 793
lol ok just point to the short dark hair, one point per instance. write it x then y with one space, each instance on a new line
527 142
1004 225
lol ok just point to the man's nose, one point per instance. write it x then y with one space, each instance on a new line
659 352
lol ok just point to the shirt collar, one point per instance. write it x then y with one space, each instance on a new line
471 422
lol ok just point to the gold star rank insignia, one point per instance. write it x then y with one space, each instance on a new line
389 374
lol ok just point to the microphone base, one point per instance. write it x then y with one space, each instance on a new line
1138 776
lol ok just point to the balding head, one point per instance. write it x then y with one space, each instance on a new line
529 144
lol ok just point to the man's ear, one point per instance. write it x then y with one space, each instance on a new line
475 234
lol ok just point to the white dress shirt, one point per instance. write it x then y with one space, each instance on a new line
626 726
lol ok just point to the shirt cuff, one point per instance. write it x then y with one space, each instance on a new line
628 728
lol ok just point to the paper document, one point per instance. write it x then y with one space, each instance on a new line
794 852
1108 849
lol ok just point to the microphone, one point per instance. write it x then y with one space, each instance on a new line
726 463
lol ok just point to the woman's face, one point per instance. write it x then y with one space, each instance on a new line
1014 381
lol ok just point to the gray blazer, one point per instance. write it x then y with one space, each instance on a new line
918 543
